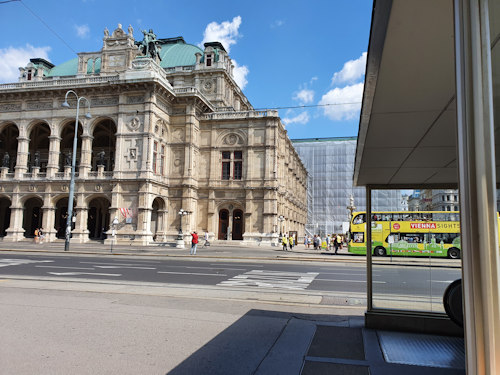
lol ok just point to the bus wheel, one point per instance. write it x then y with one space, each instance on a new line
453 253
379 251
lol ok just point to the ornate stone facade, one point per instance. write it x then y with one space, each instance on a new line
160 139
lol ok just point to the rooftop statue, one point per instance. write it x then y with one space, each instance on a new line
149 45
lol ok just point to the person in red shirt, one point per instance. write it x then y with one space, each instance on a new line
194 243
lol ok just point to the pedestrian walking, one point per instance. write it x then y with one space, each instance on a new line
207 243
327 242
291 242
194 243
336 242
36 239
41 235
284 242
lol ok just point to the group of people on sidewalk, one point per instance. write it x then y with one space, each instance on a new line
330 242
39 236
287 242
195 240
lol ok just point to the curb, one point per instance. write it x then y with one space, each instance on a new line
198 256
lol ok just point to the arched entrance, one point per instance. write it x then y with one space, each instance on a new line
231 228
67 138
62 217
157 218
103 145
39 147
98 218
4 216
32 217
223 224
8 146
237 225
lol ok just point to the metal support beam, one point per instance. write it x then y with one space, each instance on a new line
477 179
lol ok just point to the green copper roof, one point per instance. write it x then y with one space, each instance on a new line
174 52
178 54
68 68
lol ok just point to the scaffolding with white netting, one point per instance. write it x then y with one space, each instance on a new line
330 164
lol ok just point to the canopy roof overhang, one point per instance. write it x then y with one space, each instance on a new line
407 131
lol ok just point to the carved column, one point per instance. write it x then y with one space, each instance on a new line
86 156
22 157
81 233
15 232
54 152
48 223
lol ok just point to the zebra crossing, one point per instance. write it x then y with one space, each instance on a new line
272 280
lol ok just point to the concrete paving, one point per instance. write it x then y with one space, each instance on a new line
298 344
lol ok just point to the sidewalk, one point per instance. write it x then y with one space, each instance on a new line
222 249
340 345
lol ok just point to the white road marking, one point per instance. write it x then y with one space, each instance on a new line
192 273
442 281
111 264
70 268
19 262
130 267
83 273
211 268
239 264
351 281
272 279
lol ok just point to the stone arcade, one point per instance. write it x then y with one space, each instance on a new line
169 131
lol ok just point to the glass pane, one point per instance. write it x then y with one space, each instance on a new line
237 170
414 256
225 170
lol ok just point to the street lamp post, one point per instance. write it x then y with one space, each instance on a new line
113 232
180 236
281 219
73 163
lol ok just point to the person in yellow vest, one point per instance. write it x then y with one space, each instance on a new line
284 241
36 235
290 242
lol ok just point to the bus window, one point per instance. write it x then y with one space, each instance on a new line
454 216
359 219
358 237
412 237
386 217
438 216
446 238
375 217
397 217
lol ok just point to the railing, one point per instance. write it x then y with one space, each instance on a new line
47 82
239 115
190 91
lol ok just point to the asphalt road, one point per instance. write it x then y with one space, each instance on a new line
330 278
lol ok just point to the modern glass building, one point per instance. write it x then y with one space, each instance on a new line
330 165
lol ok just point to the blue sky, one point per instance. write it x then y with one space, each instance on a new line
288 53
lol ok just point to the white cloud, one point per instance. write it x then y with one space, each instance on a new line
301 118
304 96
347 94
82 31
351 72
277 23
11 58
225 32
240 74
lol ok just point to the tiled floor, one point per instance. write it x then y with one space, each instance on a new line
361 351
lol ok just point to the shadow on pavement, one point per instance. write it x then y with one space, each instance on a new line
260 342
